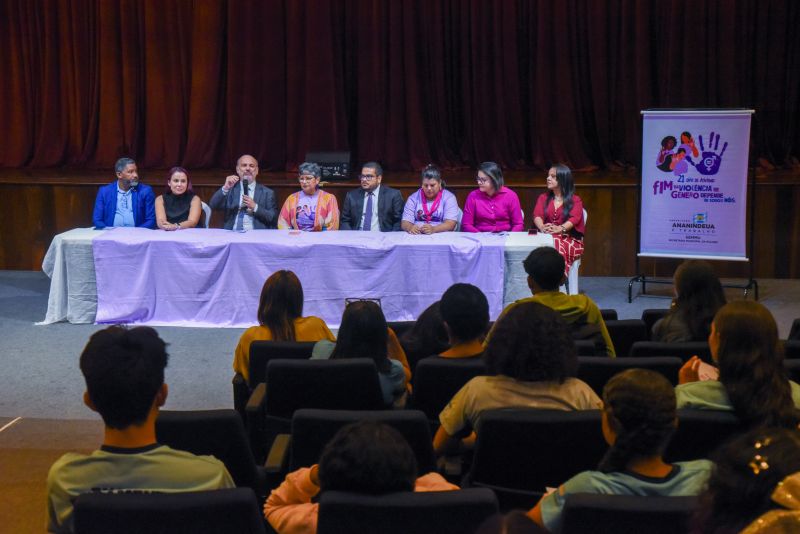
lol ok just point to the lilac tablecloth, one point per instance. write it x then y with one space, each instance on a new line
212 277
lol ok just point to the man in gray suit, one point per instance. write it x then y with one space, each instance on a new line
372 207
245 210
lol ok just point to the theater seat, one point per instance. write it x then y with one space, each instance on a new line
228 511
438 379
261 352
684 351
313 429
624 333
218 433
700 433
290 385
435 512
521 452
626 514
597 370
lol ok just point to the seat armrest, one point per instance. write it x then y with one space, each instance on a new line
241 391
256 403
278 456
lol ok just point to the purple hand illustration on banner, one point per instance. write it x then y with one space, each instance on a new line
710 161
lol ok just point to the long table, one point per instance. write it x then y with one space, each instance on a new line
212 277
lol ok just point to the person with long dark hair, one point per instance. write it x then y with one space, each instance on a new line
754 487
559 211
364 334
753 382
280 318
698 297
178 207
532 362
492 207
638 420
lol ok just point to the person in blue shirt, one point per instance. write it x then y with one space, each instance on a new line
125 202
639 417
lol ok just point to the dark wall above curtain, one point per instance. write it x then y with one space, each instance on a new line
404 82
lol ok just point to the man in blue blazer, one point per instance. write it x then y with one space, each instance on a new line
386 204
245 210
125 202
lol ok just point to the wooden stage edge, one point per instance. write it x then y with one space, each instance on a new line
38 204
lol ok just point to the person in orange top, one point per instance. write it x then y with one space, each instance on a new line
280 311
310 209
366 457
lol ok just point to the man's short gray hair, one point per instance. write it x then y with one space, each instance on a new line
121 163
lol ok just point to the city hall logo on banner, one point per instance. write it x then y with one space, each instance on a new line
677 158
698 224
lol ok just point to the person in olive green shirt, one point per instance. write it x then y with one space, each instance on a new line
545 268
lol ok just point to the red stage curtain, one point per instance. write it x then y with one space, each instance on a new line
525 83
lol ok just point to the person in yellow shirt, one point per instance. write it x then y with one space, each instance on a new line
280 318
545 268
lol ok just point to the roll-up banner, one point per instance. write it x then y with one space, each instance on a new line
694 184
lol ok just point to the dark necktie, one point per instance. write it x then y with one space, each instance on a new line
368 213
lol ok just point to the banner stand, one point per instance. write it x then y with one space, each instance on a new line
752 283
643 280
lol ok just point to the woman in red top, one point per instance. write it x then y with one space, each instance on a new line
559 211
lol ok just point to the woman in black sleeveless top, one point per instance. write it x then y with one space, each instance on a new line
178 207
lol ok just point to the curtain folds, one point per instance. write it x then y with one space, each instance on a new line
455 82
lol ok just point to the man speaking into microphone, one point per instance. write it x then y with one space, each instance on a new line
247 205
125 202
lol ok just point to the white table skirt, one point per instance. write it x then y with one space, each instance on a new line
69 263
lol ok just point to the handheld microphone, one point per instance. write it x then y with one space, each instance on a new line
245 186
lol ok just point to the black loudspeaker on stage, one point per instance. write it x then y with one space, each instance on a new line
335 165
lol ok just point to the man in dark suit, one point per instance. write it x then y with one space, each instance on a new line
372 207
245 210
125 201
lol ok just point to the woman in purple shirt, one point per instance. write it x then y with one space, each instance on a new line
492 207
432 209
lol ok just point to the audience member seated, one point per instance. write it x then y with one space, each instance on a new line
754 486
465 315
433 208
364 457
178 207
753 382
364 334
639 417
534 361
559 212
545 268
280 318
427 337
124 373
125 201
492 207
310 209
698 296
